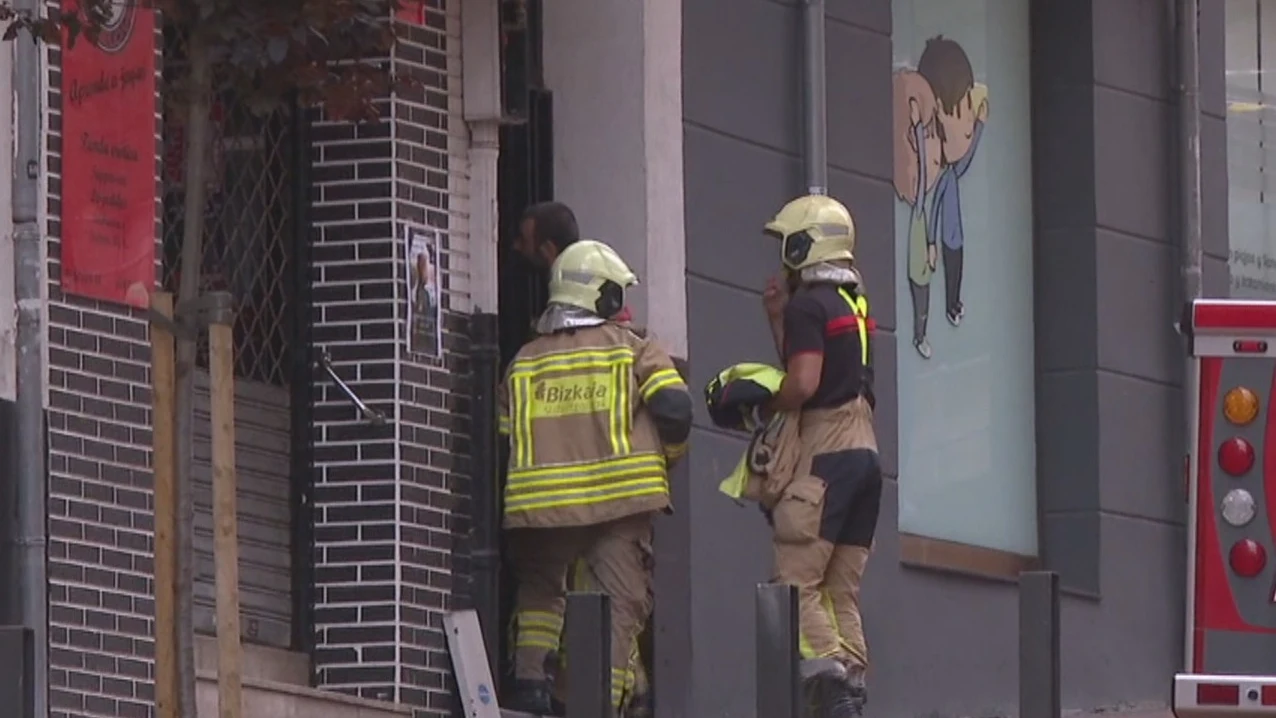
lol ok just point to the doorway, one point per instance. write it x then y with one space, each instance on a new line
525 177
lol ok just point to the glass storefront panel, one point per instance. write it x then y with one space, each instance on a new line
1251 138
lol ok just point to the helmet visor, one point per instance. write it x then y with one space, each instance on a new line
794 248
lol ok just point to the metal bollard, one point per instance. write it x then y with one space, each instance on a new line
778 686
17 662
588 632
1039 659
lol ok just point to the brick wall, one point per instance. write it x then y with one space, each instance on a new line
388 513
434 395
356 569
100 499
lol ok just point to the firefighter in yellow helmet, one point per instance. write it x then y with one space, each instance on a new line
825 519
594 414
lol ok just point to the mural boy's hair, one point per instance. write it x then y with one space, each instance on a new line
945 66
909 87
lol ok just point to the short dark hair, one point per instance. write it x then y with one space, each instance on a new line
945 66
553 222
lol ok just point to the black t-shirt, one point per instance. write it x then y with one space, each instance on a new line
818 319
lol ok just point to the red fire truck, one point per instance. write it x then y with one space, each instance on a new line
1231 492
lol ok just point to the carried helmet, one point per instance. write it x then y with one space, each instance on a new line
592 276
813 229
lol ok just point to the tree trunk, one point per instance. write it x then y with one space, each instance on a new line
198 140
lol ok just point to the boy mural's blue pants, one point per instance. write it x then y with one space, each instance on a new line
619 556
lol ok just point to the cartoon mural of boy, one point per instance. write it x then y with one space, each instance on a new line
917 168
946 67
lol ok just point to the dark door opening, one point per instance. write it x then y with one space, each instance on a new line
525 177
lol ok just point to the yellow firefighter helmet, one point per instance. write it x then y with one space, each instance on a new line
592 276
813 229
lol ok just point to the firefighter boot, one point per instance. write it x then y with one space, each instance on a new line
639 704
530 696
829 689
856 680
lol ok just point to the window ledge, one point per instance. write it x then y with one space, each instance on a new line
951 557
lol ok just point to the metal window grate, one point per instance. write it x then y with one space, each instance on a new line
248 232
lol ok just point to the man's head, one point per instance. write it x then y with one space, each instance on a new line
945 66
544 231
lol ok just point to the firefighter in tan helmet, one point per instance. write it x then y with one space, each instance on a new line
825 519
595 413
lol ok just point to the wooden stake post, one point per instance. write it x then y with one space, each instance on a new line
221 370
162 387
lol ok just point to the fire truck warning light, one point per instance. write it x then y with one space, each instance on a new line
1236 456
1248 558
1240 405
1238 507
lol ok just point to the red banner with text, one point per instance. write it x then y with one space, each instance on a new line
109 159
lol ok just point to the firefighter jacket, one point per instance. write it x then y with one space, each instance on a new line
594 416
782 446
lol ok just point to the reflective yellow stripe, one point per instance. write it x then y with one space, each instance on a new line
859 307
538 629
527 641
652 486
662 379
627 406
623 407
676 451
585 472
543 619
614 426
804 646
522 407
503 425
581 484
574 359
619 678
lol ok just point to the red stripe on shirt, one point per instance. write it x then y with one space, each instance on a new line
842 325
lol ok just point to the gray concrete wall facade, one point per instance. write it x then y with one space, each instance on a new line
1109 367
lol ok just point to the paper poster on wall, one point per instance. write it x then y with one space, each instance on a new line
108 159
425 299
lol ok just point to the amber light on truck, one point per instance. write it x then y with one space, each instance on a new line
1240 406
1236 456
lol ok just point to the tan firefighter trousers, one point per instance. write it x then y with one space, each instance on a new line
828 582
619 555
823 532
